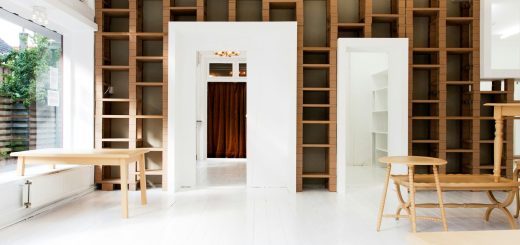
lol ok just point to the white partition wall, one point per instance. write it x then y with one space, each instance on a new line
390 117
271 97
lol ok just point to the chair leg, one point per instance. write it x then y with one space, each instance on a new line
383 198
439 196
411 170
517 203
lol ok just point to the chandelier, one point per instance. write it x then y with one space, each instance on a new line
225 53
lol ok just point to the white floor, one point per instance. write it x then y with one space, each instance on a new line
224 212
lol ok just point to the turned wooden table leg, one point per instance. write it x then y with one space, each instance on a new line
411 170
20 166
517 203
142 181
124 189
439 196
383 198
498 144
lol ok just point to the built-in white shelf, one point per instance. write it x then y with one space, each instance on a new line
379 114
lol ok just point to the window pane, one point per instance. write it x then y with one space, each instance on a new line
30 88
242 68
220 70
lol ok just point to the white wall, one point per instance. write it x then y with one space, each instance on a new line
271 95
363 65
397 51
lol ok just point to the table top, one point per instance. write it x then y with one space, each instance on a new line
465 237
502 104
91 153
412 160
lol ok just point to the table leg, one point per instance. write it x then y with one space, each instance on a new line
20 166
142 181
124 189
498 144
517 203
383 198
439 196
411 170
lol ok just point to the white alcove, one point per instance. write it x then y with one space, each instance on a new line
372 105
271 97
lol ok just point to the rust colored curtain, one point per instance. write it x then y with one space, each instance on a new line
226 120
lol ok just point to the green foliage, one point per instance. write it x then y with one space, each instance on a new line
26 67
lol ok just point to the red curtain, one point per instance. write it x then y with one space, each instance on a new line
226 120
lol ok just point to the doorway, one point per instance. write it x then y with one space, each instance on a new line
222 119
372 72
226 113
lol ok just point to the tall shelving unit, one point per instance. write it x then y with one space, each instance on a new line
379 115
446 116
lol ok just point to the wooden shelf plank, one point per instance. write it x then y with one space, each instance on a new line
316 145
312 175
115 116
115 67
316 89
459 20
316 49
459 50
149 116
150 35
385 17
316 66
459 118
459 150
426 66
115 139
183 10
316 105
425 117
115 100
116 12
315 122
149 84
425 141
459 82
114 35
425 50
149 58
351 26
425 101
426 11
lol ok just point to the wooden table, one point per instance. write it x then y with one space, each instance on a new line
500 111
409 207
464 238
109 157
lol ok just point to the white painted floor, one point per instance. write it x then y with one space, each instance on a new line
223 211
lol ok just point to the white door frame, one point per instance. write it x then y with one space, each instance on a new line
397 50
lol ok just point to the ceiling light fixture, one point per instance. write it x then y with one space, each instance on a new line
224 53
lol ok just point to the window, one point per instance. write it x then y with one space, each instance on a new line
30 87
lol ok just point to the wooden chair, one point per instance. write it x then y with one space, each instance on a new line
410 182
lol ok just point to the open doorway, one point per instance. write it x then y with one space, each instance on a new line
221 118
372 72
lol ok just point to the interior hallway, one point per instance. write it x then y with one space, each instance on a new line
225 212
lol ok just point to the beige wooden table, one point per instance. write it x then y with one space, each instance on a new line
464 238
409 207
108 157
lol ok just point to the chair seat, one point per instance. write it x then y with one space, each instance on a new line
458 182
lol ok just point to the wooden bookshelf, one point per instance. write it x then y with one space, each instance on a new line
446 116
